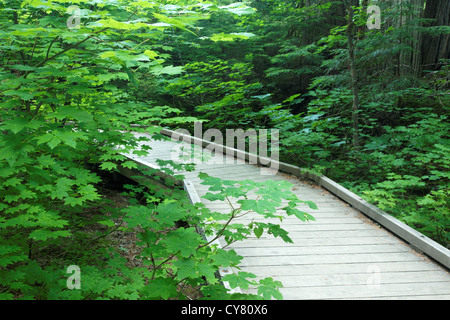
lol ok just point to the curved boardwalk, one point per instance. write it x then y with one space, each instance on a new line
341 255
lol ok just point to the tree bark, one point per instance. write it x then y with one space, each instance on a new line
436 47
351 31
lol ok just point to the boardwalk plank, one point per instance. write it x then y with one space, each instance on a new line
333 257
319 250
366 278
402 290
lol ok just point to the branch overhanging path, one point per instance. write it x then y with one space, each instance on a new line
340 255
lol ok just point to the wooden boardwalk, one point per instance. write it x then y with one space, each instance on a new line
341 255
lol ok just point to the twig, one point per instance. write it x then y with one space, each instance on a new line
65 50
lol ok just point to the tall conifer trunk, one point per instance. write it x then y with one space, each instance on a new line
351 31
435 48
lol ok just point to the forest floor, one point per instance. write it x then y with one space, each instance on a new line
125 240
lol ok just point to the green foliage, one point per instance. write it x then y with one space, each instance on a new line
298 63
67 104
403 126
68 98
187 258
177 257
270 195
415 162
61 112
218 90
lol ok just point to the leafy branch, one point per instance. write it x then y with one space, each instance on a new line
67 49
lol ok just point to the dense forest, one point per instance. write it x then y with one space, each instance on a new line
358 89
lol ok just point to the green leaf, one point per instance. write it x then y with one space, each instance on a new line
44 234
216 184
170 70
129 165
207 270
161 288
107 54
73 201
298 213
53 142
72 112
108 166
150 237
45 161
215 292
12 182
214 196
240 280
291 98
114 24
88 192
183 240
107 223
311 204
44 138
144 4
268 288
226 258
190 268
139 216
151 54
22 94
131 76
238 8
230 36
56 137
186 269
169 213
10 254
277 231
59 193
258 232
15 125
263 207
173 22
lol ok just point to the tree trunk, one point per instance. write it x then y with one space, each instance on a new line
351 32
436 47
417 36
411 12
